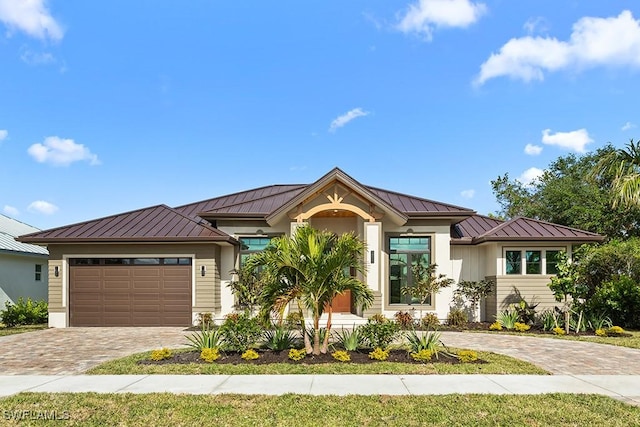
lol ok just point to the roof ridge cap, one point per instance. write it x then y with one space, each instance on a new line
259 198
240 192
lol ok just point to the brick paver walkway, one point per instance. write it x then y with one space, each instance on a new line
74 350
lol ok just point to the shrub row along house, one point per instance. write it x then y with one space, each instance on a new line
161 266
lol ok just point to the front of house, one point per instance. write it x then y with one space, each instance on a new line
161 266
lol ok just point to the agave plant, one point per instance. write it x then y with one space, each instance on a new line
207 338
351 340
280 338
430 340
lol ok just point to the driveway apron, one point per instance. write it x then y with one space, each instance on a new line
74 350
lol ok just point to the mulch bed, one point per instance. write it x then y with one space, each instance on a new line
267 357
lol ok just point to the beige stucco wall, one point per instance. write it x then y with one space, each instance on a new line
206 293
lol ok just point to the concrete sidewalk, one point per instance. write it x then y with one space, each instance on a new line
623 387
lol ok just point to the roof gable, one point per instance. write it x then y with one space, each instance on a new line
156 223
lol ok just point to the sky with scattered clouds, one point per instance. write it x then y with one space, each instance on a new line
110 107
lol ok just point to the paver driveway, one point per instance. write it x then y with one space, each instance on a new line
74 350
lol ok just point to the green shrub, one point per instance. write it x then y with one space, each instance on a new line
507 318
279 338
294 320
404 319
549 319
619 299
427 341
210 355
351 340
457 318
250 355
423 356
380 332
521 327
23 312
162 354
297 355
430 321
379 354
341 356
206 338
467 356
241 331
495 326
205 319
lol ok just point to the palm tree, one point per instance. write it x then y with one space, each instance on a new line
624 166
311 267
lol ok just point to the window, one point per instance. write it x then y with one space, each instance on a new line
514 262
251 245
535 261
553 257
404 253
38 272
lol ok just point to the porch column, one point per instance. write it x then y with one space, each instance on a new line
373 239
295 225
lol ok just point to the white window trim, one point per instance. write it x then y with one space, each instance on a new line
523 258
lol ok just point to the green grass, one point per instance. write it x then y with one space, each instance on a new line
91 409
20 329
631 342
498 364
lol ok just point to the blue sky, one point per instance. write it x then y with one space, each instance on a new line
107 107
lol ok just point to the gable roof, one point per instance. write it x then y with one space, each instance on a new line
273 202
479 229
157 223
11 228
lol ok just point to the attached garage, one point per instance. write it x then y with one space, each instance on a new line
130 291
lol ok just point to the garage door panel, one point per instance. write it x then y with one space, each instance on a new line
130 295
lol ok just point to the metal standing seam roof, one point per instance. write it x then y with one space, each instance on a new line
156 223
11 228
477 229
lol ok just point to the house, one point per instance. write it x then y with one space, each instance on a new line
162 266
23 267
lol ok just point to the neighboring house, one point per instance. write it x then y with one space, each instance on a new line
163 266
23 267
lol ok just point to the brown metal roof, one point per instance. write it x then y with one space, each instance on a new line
415 206
156 223
478 229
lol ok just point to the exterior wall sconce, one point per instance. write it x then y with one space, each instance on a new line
56 271
373 257
203 270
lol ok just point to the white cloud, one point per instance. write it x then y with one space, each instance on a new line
536 25
10 210
426 15
594 42
626 126
32 17
40 206
575 140
346 118
61 152
532 150
37 58
468 194
3 134
530 175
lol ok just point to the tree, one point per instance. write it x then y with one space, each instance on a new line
624 165
425 283
571 194
311 267
474 291
566 287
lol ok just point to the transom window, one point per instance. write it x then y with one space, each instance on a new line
251 245
404 253
534 261
130 261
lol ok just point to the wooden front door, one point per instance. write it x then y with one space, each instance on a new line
342 303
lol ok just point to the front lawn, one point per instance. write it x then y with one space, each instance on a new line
497 364
91 409
631 342
20 329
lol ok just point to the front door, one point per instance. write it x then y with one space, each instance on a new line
342 303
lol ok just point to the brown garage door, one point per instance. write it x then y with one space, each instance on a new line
130 292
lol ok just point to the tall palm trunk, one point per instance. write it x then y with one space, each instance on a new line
316 332
325 343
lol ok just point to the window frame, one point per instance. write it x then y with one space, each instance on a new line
389 253
249 252
524 264
38 272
